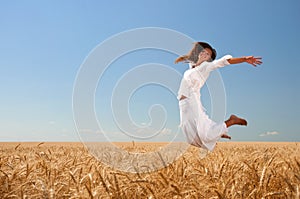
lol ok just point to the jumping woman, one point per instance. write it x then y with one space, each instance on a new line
199 129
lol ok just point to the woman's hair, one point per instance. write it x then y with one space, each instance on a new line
192 56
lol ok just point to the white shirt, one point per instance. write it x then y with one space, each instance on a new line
194 78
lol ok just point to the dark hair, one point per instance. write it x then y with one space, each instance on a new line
194 53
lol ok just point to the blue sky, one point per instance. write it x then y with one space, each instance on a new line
44 43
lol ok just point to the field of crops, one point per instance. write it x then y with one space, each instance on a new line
68 170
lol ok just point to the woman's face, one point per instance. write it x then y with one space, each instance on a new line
204 55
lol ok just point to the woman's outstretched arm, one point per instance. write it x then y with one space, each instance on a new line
249 59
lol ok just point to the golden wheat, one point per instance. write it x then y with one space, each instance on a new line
232 171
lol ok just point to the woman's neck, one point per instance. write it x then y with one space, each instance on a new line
198 63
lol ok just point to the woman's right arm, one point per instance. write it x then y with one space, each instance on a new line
248 59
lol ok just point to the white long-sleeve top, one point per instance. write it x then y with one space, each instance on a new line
194 78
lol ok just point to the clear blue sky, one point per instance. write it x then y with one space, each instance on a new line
43 44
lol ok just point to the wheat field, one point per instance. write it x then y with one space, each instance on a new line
68 170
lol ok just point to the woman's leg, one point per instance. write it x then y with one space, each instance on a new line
234 120
225 136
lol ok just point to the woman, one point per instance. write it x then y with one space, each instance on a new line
199 129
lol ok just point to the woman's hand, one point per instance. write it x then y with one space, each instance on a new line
254 61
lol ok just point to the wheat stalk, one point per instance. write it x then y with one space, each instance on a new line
228 172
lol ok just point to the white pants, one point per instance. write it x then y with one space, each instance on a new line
200 131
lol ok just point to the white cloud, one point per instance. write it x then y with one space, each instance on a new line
269 133
166 131
51 122
89 131
64 130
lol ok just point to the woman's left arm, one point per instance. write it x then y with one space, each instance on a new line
249 59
